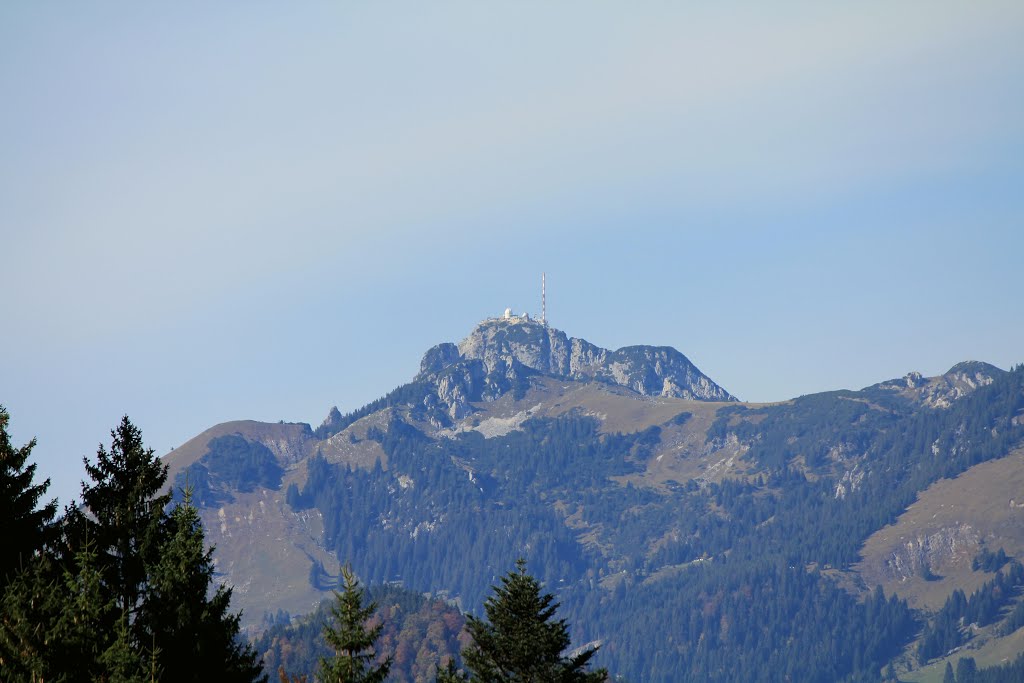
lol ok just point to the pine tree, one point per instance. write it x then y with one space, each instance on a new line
55 620
966 670
26 529
125 595
30 600
122 663
346 634
127 512
947 676
195 634
521 642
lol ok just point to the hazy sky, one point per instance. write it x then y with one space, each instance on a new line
215 211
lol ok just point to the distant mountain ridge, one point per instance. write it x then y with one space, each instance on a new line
631 474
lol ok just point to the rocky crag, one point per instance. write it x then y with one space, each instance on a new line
501 354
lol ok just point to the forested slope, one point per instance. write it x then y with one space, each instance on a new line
722 575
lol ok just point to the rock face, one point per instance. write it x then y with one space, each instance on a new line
332 420
499 356
940 392
924 553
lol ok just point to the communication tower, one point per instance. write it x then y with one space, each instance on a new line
543 299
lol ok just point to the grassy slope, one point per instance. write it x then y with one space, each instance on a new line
282 438
984 497
682 454
981 498
263 548
992 653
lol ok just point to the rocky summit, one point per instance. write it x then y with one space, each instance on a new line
501 353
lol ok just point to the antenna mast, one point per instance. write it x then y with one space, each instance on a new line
543 299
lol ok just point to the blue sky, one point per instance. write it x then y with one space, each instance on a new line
258 210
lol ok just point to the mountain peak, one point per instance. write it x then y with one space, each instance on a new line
942 391
979 370
500 353
332 420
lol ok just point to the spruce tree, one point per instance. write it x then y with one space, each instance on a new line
126 593
26 529
122 663
346 634
54 624
947 676
521 641
966 670
127 511
195 635
30 602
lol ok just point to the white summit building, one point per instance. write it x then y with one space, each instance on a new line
525 317
512 317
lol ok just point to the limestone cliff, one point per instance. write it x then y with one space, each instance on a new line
940 392
500 354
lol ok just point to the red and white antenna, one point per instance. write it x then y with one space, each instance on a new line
543 299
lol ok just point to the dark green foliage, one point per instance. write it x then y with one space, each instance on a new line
26 529
122 664
123 595
294 498
948 676
349 638
231 463
948 628
420 634
126 512
1012 672
521 641
411 394
530 468
492 497
681 418
54 616
944 632
1014 621
988 561
728 620
184 617
966 670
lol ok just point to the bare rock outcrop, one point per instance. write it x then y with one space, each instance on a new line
942 391
928 552
500 354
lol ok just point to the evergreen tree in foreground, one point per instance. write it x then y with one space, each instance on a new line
352 642
521 642
127 512
124 596
26 529
54 621
196 634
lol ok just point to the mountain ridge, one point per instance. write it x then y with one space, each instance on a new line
600 485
